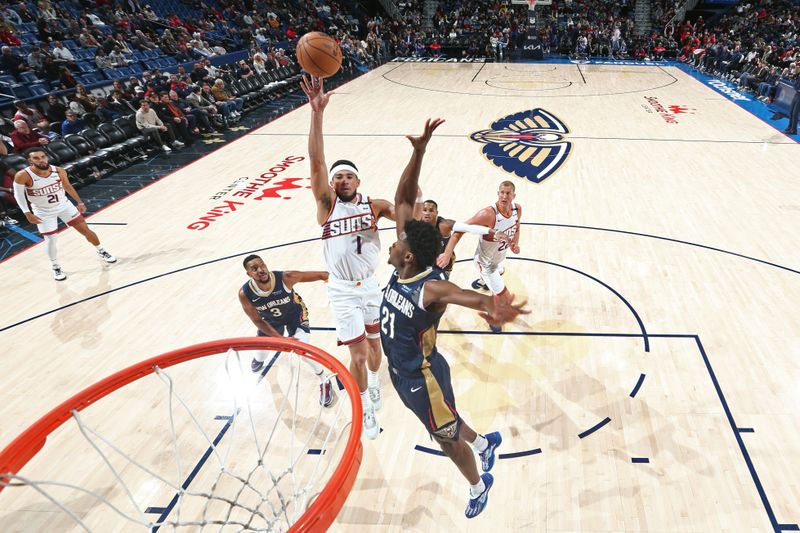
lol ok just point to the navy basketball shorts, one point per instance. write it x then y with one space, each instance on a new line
429 394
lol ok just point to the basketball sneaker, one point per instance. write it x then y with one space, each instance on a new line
327 395
58 274
375 396
256 365
479 285
371 427
477 504
495 329
105 256
487 456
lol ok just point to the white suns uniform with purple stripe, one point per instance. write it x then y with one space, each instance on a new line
352 249
491 252
350 240
46 195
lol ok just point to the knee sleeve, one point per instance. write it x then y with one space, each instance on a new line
50 247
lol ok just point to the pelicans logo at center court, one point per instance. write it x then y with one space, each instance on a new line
529 144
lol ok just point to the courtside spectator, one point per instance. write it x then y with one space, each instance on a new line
24 137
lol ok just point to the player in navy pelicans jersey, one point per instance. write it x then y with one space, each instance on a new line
271 303
414 301
351 247
41 192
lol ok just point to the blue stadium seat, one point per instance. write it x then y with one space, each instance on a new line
136 69
91 77
29 77
85 66
124 72
27 38
8 79
149 54
21 91
39 89
169 61
72 45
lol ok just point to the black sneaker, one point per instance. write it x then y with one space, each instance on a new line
256 365
479 285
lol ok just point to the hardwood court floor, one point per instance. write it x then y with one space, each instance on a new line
655 386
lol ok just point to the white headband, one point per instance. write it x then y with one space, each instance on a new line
340 167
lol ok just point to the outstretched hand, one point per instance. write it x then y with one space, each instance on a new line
421 141
504 310
315 92
443 260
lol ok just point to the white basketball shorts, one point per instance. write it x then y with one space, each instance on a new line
356 308
67 212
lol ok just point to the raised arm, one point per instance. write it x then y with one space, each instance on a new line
262 325
320 186
494 309
406 195
292 277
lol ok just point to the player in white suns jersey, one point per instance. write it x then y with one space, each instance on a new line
41 192
501 219
351 246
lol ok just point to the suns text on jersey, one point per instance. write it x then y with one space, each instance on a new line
348 225
399 302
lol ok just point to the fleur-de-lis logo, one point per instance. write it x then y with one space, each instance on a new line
529 144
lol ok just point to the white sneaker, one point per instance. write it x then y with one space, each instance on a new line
58 274
371 428
107 257
375 396
165 148
9 221
178 144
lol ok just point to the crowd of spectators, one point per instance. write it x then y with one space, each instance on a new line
495 29
66 46
466 28
755 45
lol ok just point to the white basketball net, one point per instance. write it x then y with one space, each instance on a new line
257 475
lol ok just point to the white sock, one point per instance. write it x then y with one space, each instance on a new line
476 489
366 403
479 444
373 380
316 367
50 248
100 248
260 356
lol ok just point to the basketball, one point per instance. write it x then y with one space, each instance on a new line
319 54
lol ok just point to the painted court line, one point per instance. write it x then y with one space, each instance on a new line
637 386
594 428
